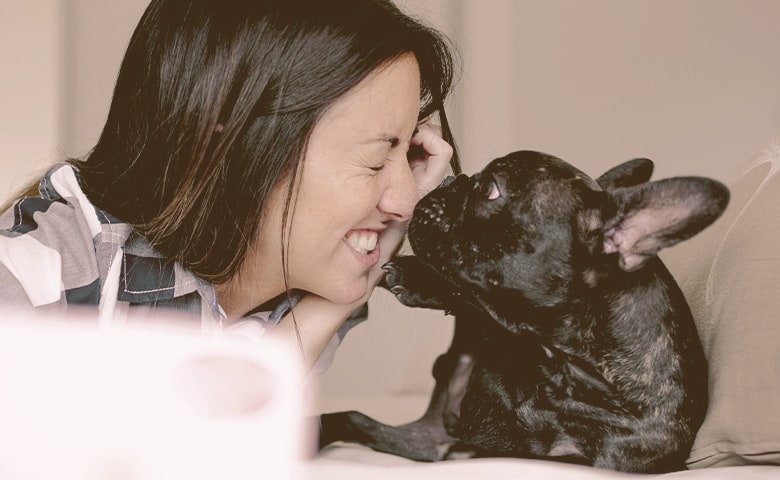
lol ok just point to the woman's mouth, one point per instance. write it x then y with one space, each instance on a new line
362 241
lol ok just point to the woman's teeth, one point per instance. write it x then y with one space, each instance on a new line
363 242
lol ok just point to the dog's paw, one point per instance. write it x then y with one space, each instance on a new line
413 283
455 451
396 282
394 277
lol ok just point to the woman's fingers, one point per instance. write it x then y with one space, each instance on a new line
429 157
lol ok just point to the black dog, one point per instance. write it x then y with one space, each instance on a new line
572 340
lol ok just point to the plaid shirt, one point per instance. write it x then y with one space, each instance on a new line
58 249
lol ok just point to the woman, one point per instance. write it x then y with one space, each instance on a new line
256 155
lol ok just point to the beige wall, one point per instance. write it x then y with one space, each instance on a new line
689 83
693 84
60 59
30 36
97 34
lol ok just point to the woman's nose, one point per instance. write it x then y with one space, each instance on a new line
400 194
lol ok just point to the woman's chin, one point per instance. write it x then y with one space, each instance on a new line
346 296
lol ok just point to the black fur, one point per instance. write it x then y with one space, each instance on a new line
572 340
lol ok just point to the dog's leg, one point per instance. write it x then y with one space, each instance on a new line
416 441
416 285
638 452
429 437
426 439
452 371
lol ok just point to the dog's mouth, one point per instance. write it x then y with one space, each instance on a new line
435 217
447 181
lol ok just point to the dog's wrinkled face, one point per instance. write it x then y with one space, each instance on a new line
510 229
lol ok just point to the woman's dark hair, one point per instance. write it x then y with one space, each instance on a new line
214 105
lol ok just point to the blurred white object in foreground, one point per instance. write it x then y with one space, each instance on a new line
76 403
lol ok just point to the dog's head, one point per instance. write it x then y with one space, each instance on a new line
532 226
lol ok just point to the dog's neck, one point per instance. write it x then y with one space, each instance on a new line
588 314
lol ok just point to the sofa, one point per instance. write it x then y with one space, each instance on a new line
730 275
160 403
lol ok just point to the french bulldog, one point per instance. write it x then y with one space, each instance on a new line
572 340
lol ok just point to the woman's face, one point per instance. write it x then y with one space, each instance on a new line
355 179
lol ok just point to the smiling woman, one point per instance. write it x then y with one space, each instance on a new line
344 200
257 156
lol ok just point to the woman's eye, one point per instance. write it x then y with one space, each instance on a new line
489 190
377 168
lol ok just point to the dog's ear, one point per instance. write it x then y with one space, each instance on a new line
656 215
627 174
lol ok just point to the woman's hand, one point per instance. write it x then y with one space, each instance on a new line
429 157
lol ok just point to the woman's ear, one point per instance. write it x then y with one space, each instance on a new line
656 215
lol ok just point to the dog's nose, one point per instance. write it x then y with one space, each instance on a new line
460 180
447 180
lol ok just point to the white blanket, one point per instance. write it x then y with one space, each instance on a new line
346 462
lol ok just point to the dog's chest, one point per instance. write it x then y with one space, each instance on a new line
507 410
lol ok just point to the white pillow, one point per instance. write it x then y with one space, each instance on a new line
730 274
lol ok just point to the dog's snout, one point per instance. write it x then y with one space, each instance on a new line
451 181
447 181
460 180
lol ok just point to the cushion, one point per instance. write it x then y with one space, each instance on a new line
730 274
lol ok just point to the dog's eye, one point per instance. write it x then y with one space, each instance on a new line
489 190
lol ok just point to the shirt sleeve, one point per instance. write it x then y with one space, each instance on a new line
12 294
30 270
257 323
